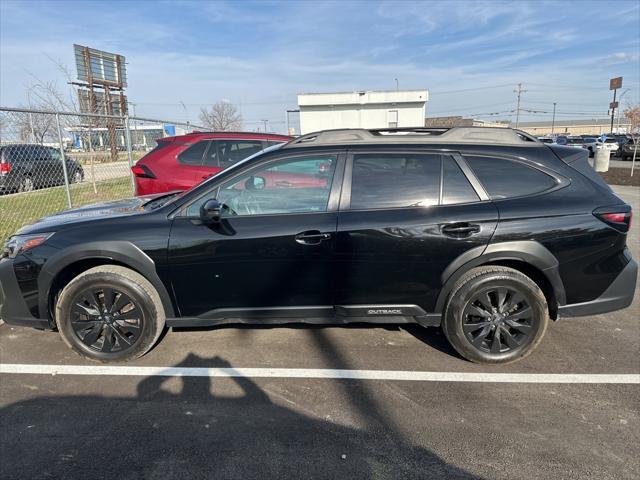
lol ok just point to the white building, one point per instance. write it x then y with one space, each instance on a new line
371 109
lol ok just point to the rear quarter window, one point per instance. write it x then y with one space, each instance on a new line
504 178
194 154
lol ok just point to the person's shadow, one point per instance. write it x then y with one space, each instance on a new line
210 429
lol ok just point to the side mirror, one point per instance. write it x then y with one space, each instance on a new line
210 211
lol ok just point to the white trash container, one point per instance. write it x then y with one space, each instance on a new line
601 160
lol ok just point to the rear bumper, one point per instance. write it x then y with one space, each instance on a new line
617 296
13 308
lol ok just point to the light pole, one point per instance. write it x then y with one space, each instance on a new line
186 112
288 123
265 124
620 103
397 84
553 120
33 134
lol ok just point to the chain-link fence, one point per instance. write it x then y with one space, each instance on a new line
51 161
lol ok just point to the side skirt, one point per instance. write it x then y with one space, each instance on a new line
315 315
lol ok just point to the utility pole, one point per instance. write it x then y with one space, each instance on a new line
265 124
397 84
519 91
553 120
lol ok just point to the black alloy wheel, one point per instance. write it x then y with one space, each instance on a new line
495 314
110 313
498 320
106 319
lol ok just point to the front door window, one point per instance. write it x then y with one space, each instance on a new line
287 186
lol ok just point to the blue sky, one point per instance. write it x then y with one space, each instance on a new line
259 55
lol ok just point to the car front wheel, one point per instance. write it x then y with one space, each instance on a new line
495 315
110 313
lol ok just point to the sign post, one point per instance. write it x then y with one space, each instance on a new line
614 84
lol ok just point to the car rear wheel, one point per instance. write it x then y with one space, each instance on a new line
495 315
76 177
110 313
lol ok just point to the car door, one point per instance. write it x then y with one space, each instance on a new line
271 251
54 168
404 217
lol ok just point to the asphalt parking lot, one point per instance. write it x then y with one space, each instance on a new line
189 423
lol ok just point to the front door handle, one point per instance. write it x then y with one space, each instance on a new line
312 237
460 230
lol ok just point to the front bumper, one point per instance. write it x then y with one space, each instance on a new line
13 308
617 296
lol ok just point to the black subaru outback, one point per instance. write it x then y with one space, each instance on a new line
485 232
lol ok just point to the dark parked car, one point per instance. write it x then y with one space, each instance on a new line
179 163
485 232
627 150
25 167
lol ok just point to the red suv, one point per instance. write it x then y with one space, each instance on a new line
178 163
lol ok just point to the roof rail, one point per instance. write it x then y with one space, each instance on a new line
480 135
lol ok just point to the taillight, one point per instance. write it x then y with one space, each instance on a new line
142 171
5 168
618 218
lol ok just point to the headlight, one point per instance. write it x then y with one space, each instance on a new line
21 243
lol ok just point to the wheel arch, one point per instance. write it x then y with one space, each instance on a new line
528 257
60 269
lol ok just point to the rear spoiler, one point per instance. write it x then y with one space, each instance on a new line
578 159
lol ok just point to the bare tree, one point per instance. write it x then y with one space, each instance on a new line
223 116
633 115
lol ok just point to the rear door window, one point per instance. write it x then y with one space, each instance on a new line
506 178
390 180
193 155
229 152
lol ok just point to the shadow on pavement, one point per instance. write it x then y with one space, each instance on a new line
200 433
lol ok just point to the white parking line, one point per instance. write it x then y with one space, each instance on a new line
399 375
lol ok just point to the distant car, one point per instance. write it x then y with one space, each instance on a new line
608 143
570 141
179 163
25 167
627 150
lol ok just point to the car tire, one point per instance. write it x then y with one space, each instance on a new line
26 184
77 177
495 304
110 313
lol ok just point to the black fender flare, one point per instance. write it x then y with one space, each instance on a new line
123 252
527 251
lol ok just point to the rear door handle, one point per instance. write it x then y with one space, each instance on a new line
460 230
312 237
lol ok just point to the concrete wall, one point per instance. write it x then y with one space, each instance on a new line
362 110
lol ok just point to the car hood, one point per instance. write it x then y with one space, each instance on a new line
120 208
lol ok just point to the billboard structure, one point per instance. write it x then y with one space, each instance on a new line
102 78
